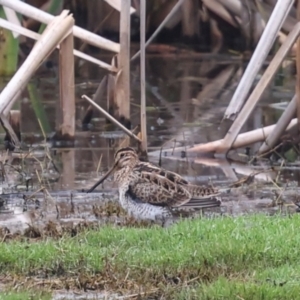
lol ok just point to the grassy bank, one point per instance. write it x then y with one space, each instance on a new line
26 295
252 257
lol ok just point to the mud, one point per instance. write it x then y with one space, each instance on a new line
53 213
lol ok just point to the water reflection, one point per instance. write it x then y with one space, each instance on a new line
186 100
68 169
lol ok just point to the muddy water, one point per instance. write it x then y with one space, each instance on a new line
186 100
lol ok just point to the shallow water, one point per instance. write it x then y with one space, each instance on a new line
186 100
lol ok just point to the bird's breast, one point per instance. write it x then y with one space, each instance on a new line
122 178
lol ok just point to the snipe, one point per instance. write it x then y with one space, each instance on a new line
148 192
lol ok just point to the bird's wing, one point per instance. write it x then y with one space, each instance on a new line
202 192
196 191
157 186
173 177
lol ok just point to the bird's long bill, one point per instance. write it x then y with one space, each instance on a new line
102 179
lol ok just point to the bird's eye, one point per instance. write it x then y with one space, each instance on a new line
123 154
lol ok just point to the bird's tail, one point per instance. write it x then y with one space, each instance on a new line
200 203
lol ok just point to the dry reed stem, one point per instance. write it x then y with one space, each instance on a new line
258 90
52 35
190 18
47 154
10 130
242 140
116 4
47 151
99 25
143 76
281 165
67 86
122 90
39 15
100 89
34 193
160 27
280 127
99 163
263 47
35 36
45 190
112 119
15 98
68 168
12 17
266 153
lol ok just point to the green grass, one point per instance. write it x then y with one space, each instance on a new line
223 288
252 257
26 295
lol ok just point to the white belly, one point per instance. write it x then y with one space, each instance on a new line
144 211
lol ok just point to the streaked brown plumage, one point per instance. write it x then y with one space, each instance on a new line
149 192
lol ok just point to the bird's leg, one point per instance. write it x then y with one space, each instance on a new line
165 220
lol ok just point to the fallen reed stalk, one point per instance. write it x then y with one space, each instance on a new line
242 139
10 105
12 17
280 127
35 36
96 97
265 43
53 34
44 17
259 89
112 119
